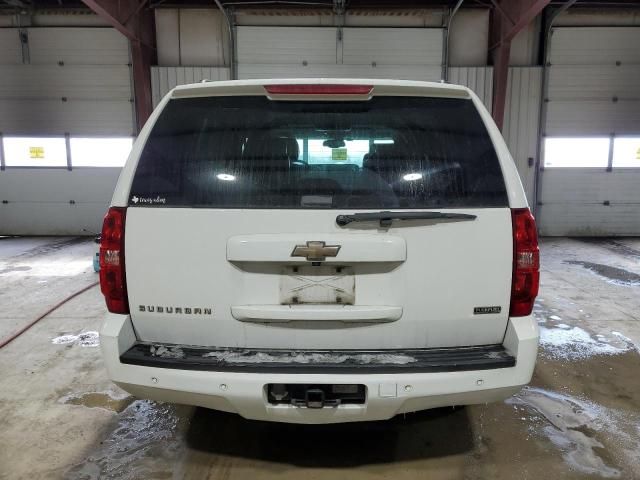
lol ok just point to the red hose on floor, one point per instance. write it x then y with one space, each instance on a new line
11 338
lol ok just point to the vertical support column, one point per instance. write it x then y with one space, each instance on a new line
143 55
141 66
500 82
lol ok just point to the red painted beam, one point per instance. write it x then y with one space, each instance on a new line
508 19
524 19
136 22
111 11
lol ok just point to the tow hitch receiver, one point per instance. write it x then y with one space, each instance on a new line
315 396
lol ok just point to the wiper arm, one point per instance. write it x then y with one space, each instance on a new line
386 218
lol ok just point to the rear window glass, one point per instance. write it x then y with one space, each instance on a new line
252 152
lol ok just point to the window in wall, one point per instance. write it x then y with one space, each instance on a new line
626 152
35 152
100 152
345 151
576 152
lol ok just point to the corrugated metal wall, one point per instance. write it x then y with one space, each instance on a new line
478 79
593 91
163 79
522 112
521 122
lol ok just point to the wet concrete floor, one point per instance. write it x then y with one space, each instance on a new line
579 419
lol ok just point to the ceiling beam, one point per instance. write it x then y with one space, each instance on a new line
508 18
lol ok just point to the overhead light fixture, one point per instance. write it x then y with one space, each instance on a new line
383 141
226 177
409 177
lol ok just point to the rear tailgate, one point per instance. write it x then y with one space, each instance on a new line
232 239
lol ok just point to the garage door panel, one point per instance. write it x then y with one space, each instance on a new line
593 118
54 117
592 92
432 73
50 185
392 46
595 45
286 45
590 186
427 73
45 218
285 71
580 82
11 51
48 81
575 219
77 45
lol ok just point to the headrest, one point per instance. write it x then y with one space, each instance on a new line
268 148
385 157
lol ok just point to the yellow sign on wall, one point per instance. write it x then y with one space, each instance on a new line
339 154
36 152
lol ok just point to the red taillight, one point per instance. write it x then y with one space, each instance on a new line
113 282
526 263
319 89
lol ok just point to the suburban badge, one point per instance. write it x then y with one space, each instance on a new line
486 310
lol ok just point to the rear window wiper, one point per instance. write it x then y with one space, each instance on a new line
386 218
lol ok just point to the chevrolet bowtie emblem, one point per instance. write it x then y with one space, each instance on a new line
315 251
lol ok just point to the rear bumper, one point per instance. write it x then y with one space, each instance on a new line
388 394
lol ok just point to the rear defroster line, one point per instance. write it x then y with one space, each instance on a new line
11 338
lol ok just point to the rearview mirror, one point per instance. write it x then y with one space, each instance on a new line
333 143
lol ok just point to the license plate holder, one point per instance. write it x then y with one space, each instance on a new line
322 285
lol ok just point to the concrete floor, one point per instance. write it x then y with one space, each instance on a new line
61 418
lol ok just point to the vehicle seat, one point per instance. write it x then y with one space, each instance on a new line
270 153
388 161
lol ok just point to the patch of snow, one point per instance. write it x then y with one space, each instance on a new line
89 339
230 356
64 339
575 343
555 317
626 340
572 426
84 339
164 352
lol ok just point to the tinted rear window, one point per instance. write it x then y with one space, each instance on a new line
251 152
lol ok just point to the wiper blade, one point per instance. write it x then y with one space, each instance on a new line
386 218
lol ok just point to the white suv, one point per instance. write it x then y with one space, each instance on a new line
320 251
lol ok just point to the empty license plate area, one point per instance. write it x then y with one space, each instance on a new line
317 285
316 395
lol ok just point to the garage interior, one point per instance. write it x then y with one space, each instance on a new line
79 79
